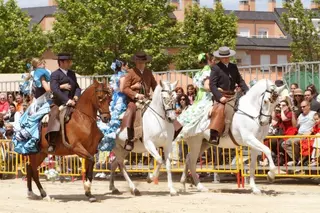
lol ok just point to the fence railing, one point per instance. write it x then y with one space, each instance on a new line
302 73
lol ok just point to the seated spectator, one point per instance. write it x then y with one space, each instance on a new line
298 98
305 124
4 105
2 128
9 131
179 91
313 90
19 102
183 103
316 141
293 86
191 92
10 117
11 98
315 105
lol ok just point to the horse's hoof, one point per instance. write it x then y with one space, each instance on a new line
201 188
149 180
173 192
33 196
116 192
184 189
92 199
256 191
270 177
136 192
48 198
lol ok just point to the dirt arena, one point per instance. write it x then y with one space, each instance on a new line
224 197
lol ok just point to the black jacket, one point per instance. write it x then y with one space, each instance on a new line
61 96
225 78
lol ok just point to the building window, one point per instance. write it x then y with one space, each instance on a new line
265 60
246 60
263 33
282 59
244 32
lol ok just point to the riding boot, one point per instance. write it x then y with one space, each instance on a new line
129 145
214 137
52 139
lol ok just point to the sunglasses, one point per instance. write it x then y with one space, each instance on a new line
303 106
182 99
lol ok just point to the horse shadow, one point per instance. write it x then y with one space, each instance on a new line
249 191
79 197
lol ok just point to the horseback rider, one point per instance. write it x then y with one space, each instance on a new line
137 85
66 91
223 79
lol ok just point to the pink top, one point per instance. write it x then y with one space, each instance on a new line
4 107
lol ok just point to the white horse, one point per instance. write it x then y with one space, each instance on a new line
249 127
158 131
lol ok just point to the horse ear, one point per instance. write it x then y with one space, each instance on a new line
161 84
280 89
174 85
95 82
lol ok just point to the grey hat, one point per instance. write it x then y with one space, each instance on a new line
224 52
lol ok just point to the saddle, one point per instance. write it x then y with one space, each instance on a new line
141 108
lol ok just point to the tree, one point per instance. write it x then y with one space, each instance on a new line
19 41
205 31
98 31
297 22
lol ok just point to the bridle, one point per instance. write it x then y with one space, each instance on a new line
107 94
170 103
274 97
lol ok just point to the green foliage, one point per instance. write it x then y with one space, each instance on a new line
98 31
19 41
297 22
205 31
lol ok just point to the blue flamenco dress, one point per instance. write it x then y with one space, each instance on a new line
27 137
118 106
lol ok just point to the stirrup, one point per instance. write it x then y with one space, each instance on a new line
214 143
129 145
53 149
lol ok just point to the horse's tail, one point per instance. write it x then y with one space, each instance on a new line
61 118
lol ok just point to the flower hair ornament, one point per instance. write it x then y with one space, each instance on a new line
201 57
116 64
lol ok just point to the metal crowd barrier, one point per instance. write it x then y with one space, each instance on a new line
214 160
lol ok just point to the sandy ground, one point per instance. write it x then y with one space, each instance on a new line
224 197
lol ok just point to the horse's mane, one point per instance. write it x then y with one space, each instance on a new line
252 97
155 95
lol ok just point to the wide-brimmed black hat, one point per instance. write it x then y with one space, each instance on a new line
64 56
141 56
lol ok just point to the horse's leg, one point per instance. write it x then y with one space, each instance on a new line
185 172
114 166
31 195
167 151
195 150
150 147
82 152
253 162
123 169
35 161
89 176
254 143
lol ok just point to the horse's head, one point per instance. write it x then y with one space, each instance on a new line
168 99
103 99
269 100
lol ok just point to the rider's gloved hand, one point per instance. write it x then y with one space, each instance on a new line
139 96
223 100
71 103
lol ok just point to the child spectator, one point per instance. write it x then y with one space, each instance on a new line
316 141
191 92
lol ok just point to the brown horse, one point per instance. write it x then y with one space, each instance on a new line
82 133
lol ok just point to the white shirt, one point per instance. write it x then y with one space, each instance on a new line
226 65
64 71
306 122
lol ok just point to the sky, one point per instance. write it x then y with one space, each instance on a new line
228 4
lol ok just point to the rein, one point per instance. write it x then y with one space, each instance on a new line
274 97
